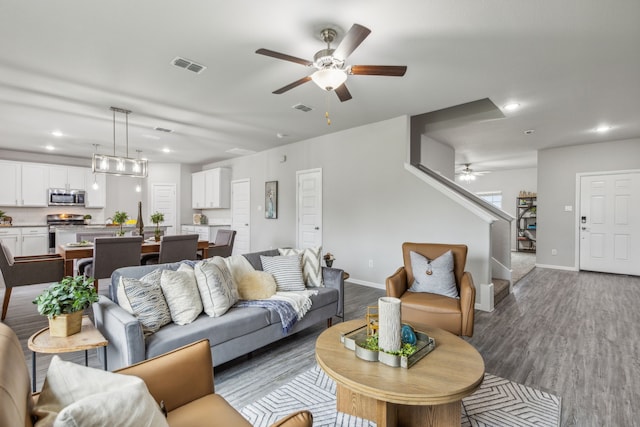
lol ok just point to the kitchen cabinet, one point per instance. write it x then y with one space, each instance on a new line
211 189
23 184
204 232
67 177
10 237
34 241
95 198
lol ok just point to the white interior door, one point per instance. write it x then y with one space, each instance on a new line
610 223
163 200
241 215
309 208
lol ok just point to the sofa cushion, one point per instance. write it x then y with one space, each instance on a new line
235 323
216 286
310 262
434 276
286 270
256 285
75 395
181 292
146 301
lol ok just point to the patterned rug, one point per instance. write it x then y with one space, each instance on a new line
498 403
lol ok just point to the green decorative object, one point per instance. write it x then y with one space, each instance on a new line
69 295
120 218
157 218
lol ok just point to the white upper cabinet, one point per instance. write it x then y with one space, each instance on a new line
23 184
34 185
68 177
95 198
211 189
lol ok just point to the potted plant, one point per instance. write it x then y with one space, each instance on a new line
120 218
63 303
87 219
328 259
157 218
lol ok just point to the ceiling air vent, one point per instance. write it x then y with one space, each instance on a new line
188 65
159 129
302 107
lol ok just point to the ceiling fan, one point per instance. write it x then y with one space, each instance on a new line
331 69
467 174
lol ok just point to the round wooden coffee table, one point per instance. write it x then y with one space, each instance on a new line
427 394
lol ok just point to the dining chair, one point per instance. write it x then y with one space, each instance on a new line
173 249
223 245
111 253
82 263
27 270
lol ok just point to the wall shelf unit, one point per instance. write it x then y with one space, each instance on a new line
527 212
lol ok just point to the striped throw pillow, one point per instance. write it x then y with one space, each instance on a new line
286 270
311 267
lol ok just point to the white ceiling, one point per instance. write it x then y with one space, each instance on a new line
572 65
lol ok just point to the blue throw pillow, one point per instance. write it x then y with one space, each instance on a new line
434 276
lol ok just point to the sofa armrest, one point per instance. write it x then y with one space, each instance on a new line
467 303
122 330
297 419
179 376
334 278
397 283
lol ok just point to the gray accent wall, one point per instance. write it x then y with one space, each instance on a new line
557 172
371 203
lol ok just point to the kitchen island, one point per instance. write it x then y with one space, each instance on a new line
67 233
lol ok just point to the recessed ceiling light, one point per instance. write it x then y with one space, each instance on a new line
57 133
166 150
603 128
529 131
50 147
146 135
512 106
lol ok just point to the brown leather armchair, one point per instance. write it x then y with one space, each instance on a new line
183 379
450 314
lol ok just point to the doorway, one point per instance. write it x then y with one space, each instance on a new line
163 200
241 215
609 222
309 208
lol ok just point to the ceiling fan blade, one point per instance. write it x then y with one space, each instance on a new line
351 41
292 85
378 70
343 93
284 57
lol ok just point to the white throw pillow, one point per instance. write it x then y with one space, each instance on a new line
216 286
238 265
286 270
434 276
311 264
181 292
75 395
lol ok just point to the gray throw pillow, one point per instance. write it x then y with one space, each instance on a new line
434 276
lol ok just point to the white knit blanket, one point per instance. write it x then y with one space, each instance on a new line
299 300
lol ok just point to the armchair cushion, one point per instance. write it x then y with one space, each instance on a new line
75 395
434 276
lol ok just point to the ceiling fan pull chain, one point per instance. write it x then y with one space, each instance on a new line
326 114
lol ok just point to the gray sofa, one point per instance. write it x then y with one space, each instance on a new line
236 333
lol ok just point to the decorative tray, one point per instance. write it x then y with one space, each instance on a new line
79 244
350 340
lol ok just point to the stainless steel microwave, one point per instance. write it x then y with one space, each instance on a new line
63 197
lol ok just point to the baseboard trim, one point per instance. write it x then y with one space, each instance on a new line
557 267
365 283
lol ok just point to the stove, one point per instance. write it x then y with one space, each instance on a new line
54 220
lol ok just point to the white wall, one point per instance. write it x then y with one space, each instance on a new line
371 204
510 183
557 170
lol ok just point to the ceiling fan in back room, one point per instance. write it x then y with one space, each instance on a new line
467 174
331 70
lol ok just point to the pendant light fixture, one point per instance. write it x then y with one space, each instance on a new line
139 185
118 165
95 185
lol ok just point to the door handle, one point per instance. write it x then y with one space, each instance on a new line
584 228
317 228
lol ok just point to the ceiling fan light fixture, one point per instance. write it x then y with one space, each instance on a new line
467 177
329 78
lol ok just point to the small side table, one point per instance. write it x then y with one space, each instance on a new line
89 337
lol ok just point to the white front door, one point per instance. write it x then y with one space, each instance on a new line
241 215
609 222
309 208
163 200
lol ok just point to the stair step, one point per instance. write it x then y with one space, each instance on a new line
500 290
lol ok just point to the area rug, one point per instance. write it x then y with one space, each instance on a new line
498 403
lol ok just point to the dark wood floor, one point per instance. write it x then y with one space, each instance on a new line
572 334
